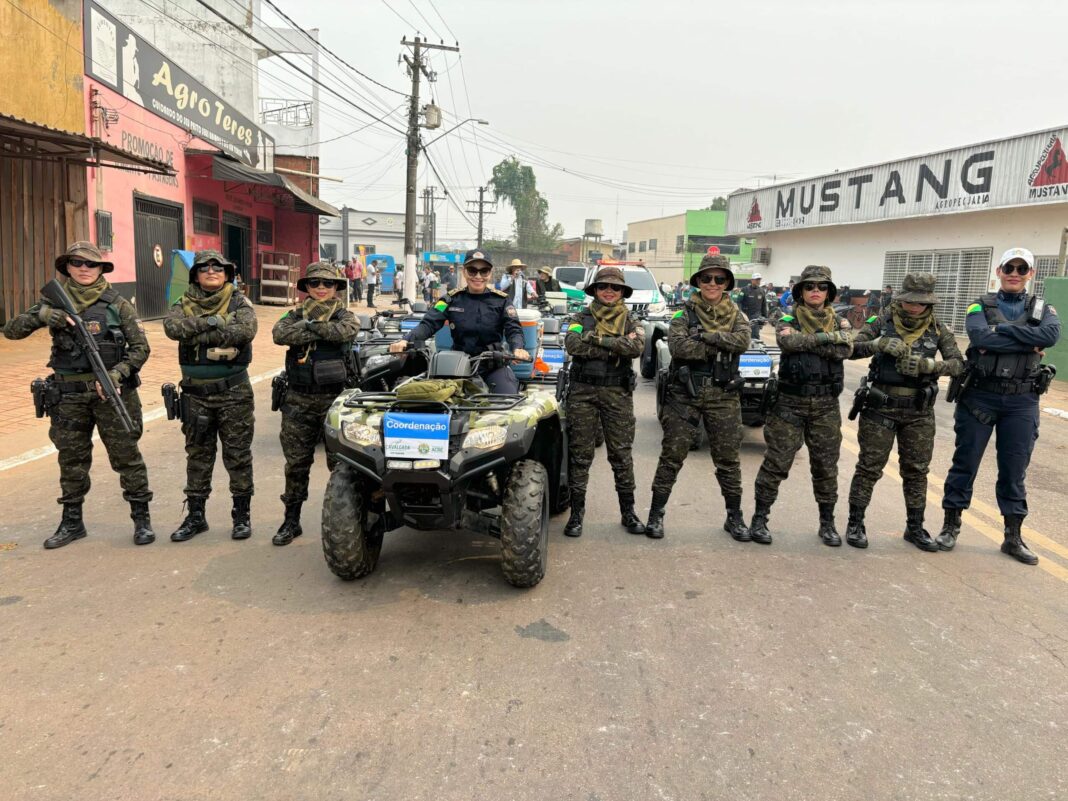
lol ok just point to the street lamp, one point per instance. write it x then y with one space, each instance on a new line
453 128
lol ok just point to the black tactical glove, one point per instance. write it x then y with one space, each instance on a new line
52 317
891 346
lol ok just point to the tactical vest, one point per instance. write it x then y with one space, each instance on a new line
722 368
1004 367
811 370
196 355
103 323
884 366
320 366
611 371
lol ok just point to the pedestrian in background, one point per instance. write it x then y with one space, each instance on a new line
371 279
1008 332
753 301
814 343
515 284
903 342
358 271
350 277
603 340
319 335
214 325
77 404
706 339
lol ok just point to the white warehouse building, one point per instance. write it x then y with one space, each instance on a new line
952 213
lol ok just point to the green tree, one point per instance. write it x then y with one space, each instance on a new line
516 183
719 204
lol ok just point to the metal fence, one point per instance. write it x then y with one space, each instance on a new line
961 276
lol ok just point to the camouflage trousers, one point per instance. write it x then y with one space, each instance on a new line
302 428
915 432
611 409
224 417
815 422
681 416
73 420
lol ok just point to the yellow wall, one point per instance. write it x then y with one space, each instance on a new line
41 64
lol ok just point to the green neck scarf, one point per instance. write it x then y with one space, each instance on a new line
815 321
611 319
85 296
720 317
198 303
320 310
911 327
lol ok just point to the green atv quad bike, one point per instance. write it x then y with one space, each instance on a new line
441 452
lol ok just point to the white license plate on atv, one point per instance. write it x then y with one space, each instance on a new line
412 435
554 358
754 366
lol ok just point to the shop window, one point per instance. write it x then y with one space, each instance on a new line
630 247
652 244
680 243
960 277
264 231
328 252
641 246
104 234
205 217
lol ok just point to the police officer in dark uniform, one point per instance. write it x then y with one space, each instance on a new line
479 317
319 334
754 302
1004 375
77 404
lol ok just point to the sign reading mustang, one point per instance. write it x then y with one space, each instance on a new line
1019 171
122 59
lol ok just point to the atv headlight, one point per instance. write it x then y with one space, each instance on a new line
361 434
656 308
486 438
380 358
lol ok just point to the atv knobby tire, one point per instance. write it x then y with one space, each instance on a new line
525 524
350 547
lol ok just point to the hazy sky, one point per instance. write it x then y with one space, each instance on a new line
663 105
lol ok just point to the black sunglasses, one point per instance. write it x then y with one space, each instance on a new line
211 267
613 287
708 278
82 263
1009 269
315 283
822 286
478 270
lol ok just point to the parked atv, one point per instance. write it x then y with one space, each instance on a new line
472 461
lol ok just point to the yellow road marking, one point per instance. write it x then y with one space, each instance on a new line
995 535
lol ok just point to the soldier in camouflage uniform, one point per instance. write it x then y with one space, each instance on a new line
319 334
706 339
811 377
214 325
77 404
902 386
603 340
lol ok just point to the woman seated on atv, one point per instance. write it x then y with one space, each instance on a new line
479 318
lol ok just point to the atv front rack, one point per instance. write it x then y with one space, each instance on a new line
480 402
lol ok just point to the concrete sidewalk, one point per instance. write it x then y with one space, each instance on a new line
23 360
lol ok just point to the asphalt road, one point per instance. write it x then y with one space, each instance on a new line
690 668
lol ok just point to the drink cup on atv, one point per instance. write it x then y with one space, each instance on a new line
441 453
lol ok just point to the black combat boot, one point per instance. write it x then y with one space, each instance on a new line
654 528
1013 545
71 527
627 518
143 533
735 523
947 538
856 534
573 528
758 527
828 533
194 523
916 533
241 515
290 528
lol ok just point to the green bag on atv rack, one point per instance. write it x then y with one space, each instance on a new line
431 389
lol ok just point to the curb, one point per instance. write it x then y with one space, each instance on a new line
156 414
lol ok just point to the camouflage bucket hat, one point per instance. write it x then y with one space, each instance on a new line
609 275
83 250
918 288
815 272
715 263
323 269
205 256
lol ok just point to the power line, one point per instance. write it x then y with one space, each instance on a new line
423 17
455 38
402 19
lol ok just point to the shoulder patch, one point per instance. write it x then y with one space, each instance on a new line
787 318
575 327
441 305
284 316
676 315
874 318
1051 310
974 308
510 311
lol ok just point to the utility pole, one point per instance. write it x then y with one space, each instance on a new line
481 203
418 68
429 232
